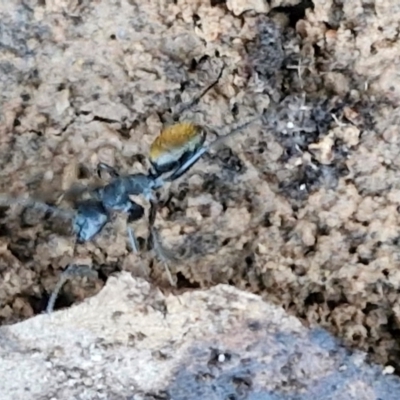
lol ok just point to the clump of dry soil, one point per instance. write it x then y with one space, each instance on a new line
132 342
302 208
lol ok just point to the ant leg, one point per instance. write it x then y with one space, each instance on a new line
151 221
157 246
135 248
70 272
161 253
153 213
133 241
135 213
107 168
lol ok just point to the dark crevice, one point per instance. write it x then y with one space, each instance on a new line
314 298
22 249
105 120
296 12
183 283
39 304
215 3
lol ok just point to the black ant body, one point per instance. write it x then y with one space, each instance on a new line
172 154
93 214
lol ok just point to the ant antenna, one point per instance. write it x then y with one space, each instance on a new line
135 248
205 148
160 251
236 128
196 99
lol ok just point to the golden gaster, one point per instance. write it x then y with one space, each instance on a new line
174 144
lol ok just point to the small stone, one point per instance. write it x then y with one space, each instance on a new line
238 7
388 370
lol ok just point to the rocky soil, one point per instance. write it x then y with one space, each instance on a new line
301 208
130 342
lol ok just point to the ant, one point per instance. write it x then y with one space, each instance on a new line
174 151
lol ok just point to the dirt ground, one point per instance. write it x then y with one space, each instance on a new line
131 342
301 208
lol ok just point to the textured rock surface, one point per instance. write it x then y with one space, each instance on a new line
304 208
132 342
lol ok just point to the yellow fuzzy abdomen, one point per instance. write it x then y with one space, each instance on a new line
175 140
